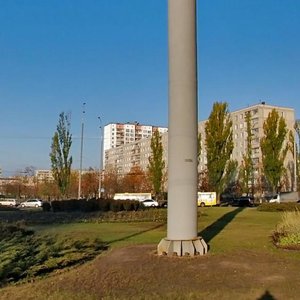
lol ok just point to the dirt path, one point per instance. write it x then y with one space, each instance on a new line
136 272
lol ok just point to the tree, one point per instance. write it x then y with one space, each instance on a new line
135 181
29 171
156 164
219 147
297 129
274 149
199 147
61 162
90 184
247 168
110 182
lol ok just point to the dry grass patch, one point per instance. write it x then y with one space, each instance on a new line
287 233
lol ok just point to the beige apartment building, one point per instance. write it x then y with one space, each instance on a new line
44 175
137 152
122 134
123 158
259 114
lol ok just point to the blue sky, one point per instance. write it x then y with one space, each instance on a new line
112 54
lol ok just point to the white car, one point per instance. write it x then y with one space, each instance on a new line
8 202
150 203
275 199
32 203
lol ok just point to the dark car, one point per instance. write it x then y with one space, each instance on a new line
242 201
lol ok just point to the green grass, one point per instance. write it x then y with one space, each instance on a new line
114 234
223 228
227 230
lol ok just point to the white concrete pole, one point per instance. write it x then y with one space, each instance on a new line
183 130
100 162
81 151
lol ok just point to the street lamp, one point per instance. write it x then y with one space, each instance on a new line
81 150
100 162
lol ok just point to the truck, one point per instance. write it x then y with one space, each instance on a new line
207 199
132 196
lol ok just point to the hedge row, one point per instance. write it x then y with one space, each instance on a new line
288 206
93 205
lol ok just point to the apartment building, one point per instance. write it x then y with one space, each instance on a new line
136 152
44 175
119 134
259 113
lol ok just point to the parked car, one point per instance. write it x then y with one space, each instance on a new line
242 201
32 203
150 203
275 199
8 202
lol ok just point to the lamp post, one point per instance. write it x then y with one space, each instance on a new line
100 161
81 150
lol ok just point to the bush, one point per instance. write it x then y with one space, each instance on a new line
287 233
25 255
104 204
116 205
91 205
7 208
46 206
288 206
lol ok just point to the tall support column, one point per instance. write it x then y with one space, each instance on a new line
182 234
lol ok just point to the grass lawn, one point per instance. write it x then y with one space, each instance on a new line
242 263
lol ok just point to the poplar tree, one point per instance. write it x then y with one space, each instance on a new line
274 149
199 147
156 163
219 147
61 162
247 168
297 129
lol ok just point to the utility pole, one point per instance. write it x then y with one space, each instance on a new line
81 150
100 162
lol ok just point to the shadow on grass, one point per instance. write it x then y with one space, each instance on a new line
135 234
215 228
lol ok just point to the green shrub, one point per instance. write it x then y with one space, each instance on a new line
24 255
56 206
46 206
104 204
116 205
7 208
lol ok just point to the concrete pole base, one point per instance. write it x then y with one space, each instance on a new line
193 247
